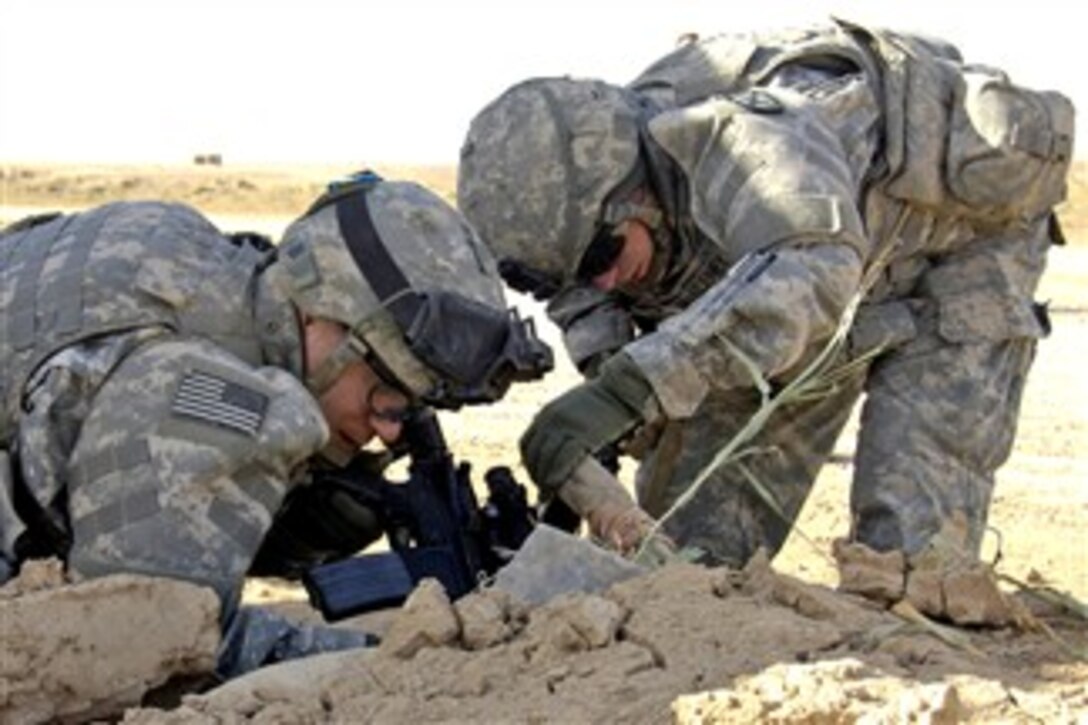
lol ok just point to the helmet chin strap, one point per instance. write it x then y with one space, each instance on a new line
351 349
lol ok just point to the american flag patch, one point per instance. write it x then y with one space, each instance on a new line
211 399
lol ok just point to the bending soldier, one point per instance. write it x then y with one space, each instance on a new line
700 234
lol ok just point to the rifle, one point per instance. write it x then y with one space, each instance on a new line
435 527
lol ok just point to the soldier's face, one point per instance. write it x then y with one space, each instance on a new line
634 260
359 407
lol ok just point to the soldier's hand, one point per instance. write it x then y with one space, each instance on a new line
612 514
340 512
622 527
583 420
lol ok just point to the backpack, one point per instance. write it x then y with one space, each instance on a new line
967 140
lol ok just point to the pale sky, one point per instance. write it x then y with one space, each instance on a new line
318 81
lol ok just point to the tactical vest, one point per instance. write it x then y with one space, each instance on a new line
720 132
733 63
115 268
959 140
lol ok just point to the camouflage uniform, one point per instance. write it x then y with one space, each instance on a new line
154 406
788 166
115 317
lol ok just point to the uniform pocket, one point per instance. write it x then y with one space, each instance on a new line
883 327
981 316
1009 147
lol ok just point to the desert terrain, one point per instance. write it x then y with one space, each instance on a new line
772 643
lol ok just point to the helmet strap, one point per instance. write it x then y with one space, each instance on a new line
374 261
351 349
632 199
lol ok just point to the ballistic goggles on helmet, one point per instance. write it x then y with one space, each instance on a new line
602 252
599 257
476 351
610 235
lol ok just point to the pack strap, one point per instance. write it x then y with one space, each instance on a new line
69 298
374 261
23 311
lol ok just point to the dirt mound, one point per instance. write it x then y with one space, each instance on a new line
848 690
757 645
72 652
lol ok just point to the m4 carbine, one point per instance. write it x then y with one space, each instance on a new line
435 527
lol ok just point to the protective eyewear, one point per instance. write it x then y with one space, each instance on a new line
386 402
477 367
602 252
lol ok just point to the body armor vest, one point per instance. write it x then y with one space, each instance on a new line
964 150
693 77
115 268
960 140
730 64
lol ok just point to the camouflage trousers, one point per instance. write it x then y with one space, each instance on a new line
939 417
256 637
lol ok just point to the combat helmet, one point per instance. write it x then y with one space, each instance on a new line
416 289
539 174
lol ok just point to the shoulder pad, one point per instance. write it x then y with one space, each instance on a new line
754 181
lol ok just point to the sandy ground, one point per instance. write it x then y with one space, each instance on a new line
756 646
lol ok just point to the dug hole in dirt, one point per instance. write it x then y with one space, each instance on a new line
683 643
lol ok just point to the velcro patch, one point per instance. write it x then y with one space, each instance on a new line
758 101
210 399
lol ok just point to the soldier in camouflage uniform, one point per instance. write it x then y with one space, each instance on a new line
707 226
164 388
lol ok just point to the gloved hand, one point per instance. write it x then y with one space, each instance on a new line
613 516
622 529
583 420
341 512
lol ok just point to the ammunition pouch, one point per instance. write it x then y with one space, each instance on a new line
967 140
